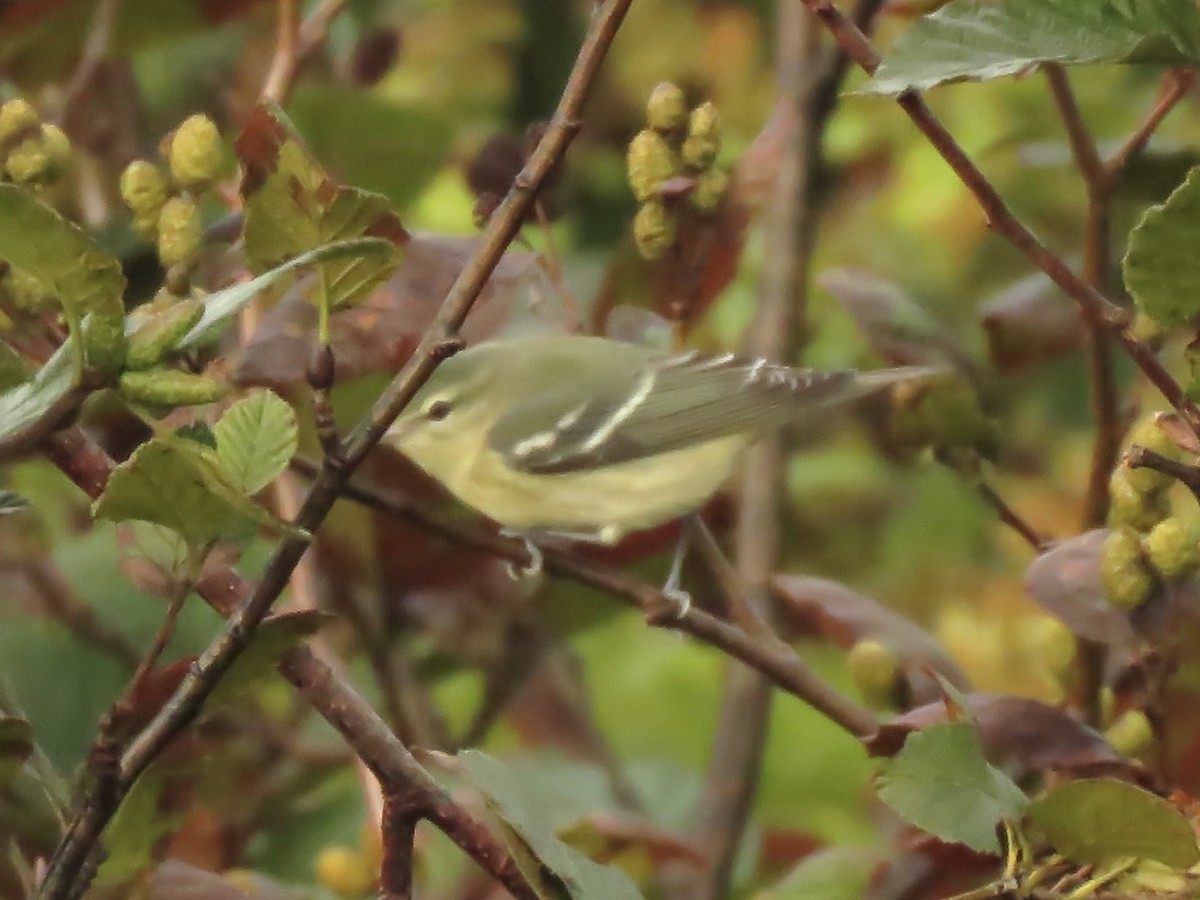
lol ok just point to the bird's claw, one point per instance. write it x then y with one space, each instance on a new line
533 568
671 605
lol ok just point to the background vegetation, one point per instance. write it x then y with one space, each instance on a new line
928 561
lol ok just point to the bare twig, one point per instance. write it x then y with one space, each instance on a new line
285 62
764 652
212 664
1105 402
1176 85
400 819
96 48
1012 518
1141 458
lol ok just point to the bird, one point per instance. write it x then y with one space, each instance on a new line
592 438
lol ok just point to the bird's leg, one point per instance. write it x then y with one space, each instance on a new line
678 601
531 569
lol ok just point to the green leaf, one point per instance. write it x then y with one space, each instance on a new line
396 149
1101 819
57 253
273 638
292 206
1162 268
24 405
136 830
981 39
16 746
180 485
222 306
256 439
537 851
941 782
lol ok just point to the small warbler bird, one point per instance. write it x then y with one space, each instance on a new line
593 438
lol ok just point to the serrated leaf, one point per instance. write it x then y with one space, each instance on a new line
534 844
292 206
179 484
25 404
941 782
222 306
1162 268
256 439
981 39
1101 819
16 746
57 253
273 638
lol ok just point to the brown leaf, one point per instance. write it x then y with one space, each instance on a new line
897 328
381 333
1030 323
1065 581
1019 735
845 617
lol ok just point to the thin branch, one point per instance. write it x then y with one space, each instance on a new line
1010 517
1002 220
399 827
215 661
96 48
767 653
1105 402
285 62
1141 458
1083 146
1177 84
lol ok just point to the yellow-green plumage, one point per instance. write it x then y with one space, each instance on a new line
589 435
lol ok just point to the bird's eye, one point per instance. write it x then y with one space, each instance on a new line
437 410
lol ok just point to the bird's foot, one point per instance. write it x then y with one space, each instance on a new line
531 569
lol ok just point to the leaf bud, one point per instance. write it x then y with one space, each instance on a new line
180 232
1172 548
30 162
345 872
1149 433
28 293
649 162
703 140
875 670
666 110
1127 582
160 330
653 229
169 387
16 116
1133 508
710 188
144 190
195 151
1131 734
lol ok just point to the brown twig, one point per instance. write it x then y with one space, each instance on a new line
1189 476
766 653
96 48
1010 517
399 826
1105 402
1002 220
76 616
1176 85
215 661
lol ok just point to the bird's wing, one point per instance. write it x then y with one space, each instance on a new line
663 404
